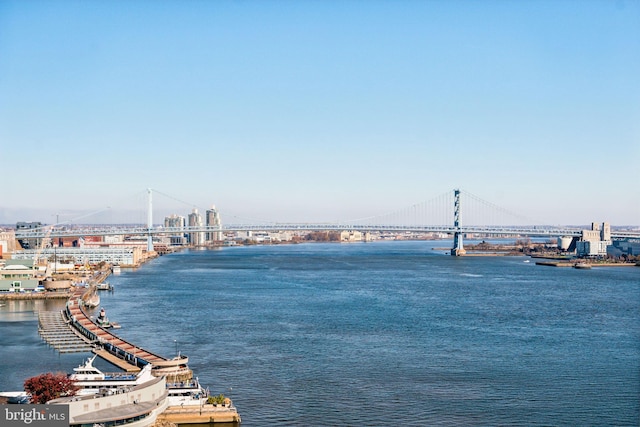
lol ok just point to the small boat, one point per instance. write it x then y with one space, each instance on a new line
103 320
16 397
187 393
90 297
582 265
105 286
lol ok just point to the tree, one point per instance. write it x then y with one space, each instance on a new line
49 386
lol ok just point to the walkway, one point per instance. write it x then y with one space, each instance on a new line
55 330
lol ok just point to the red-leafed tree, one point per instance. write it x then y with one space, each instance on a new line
49 386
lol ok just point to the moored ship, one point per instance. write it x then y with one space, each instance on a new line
91 380
133 406
90 297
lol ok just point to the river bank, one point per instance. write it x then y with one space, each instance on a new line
348 334
21 296
98 276
590 264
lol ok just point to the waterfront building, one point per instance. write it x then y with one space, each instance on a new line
594 242
624 247
260 236
195 220
18 276
176 222
351 236
212 219
126 256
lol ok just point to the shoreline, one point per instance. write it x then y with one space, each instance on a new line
593 265
42 295
99 277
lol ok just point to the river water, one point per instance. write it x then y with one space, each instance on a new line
383 333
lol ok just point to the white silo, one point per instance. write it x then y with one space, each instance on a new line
564 242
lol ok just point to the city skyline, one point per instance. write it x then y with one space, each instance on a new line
321 111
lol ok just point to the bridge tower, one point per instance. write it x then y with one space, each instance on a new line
149 221
458 248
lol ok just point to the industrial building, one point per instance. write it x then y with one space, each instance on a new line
624 247
594 242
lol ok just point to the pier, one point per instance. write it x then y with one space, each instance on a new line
55 331
204 415
73 330
24 296
121 351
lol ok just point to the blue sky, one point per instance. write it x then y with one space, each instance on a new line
321 110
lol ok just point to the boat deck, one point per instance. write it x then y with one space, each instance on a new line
120 363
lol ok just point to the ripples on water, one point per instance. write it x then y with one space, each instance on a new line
392 334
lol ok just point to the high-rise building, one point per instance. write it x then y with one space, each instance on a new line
177 222
212 218
195 220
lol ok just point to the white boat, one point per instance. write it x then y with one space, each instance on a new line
115 269
102 320
188 393
92 380
105 286
16 396
131 406
582 265
90 297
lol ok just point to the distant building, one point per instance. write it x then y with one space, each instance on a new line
195 220
624 247
176 222
351 236
594 242
212 219
29 243
7 243
124 256
261 236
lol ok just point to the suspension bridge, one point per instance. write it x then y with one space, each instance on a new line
442 214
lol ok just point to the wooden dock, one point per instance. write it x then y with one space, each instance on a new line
204 414
72 330
176 369
56 331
